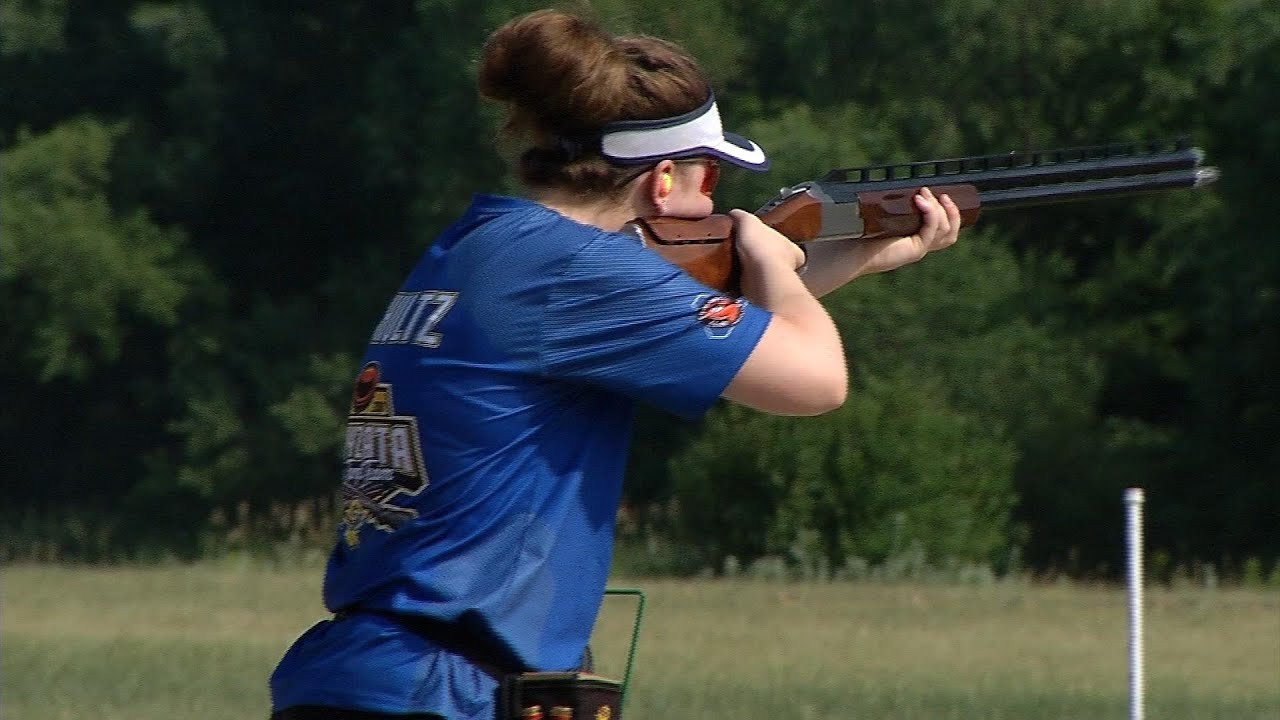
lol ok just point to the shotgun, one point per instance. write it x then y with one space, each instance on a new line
874 202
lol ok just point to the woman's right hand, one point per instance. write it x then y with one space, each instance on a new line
761 247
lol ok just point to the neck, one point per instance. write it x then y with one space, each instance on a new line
589 209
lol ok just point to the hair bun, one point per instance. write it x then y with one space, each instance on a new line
563 77
558 71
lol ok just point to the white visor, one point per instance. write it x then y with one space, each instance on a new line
696 133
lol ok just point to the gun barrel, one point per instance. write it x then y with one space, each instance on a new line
1017 170
1091 189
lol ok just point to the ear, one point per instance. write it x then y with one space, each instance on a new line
661 182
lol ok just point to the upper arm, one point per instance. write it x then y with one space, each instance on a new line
784 375
623 318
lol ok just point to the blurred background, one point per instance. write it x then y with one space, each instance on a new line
205 205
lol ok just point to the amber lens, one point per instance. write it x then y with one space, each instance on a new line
710 176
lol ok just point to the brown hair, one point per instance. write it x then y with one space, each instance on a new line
562 77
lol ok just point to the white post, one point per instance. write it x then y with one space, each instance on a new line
1133 499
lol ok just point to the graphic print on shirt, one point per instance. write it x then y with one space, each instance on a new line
383 459
719 314
411 318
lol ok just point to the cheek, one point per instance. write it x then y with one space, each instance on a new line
696 205
690 203
698 201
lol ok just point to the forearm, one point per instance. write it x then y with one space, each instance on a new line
783 293
835 263
798 366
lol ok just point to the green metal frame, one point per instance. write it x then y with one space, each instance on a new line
635 635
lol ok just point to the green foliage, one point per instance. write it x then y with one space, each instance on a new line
76 269
309 414
207 204
900 467
27 26
804 143
910 457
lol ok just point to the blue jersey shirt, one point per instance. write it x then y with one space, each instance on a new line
485 450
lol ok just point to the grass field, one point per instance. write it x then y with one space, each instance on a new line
199 642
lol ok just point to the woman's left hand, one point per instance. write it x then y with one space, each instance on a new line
832 264
939 229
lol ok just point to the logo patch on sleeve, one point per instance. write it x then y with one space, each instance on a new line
719 314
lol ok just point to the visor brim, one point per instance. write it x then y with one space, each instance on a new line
696 133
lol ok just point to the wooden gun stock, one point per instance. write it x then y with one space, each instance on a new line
876 202
705 248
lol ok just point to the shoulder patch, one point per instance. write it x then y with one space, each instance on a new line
719 313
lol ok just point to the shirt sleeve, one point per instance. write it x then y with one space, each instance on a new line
622 317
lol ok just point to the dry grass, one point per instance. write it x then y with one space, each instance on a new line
185 642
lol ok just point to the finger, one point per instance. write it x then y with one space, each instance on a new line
801 257
953 211
932 215
949 225
924 198
953 215
742 216
945 224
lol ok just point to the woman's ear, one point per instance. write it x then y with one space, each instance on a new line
662 182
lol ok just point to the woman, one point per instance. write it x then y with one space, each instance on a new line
490 421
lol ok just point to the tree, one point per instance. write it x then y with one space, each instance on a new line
91 292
